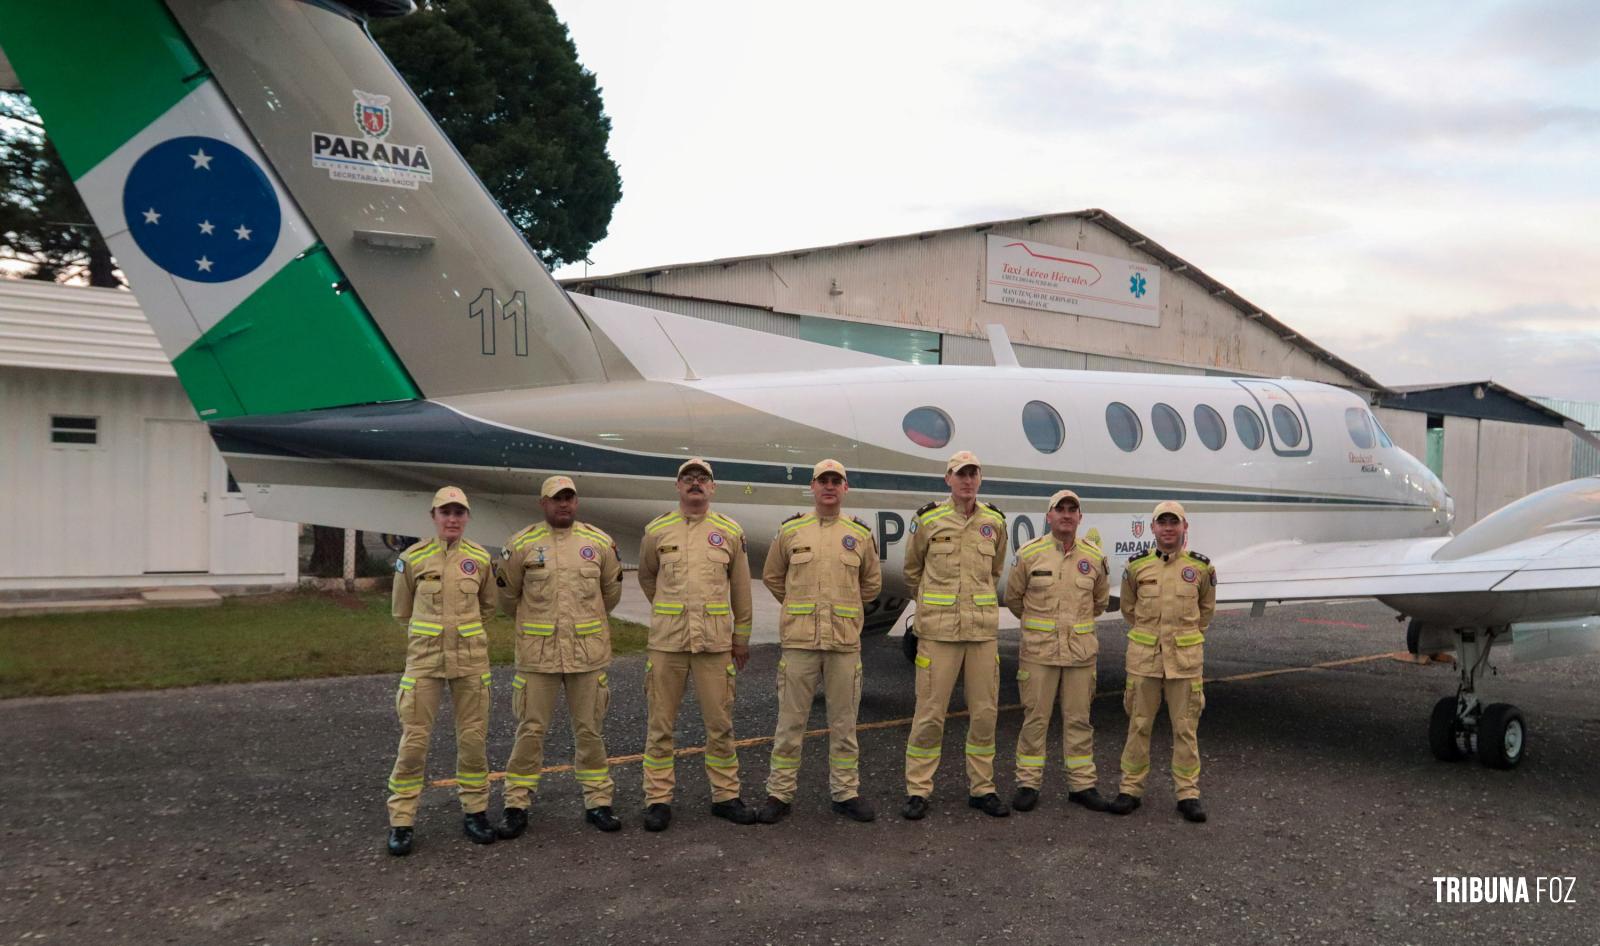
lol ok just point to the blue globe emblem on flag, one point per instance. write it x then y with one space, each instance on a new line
201 209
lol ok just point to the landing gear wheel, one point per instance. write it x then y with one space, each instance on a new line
1446 737
1502 736
908 643
1413 636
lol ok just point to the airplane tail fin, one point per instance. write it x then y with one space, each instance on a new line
298 231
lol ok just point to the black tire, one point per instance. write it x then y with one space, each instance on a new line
1413 636
1444 735
908 644
1502 736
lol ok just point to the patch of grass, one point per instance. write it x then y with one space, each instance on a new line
270 637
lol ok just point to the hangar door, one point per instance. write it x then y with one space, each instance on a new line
177 472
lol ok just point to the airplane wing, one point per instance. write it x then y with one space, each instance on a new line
1536 559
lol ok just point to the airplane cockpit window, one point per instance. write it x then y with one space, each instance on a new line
1383 435
1124 426
1209 427
927 427
1168 425
1355 420
1043 426
1287 425
1248 423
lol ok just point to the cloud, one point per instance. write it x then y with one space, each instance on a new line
1547 32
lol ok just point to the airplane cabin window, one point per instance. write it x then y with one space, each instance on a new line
1124 426
1168 425
1043 426
1355 420
927 427
1287 425
1209 427
1248 424
1383 435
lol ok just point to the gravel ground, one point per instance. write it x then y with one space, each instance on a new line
254 814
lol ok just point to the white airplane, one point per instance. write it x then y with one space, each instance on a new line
359 323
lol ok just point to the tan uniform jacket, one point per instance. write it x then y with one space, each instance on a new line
560 585
823 571
441 594
1168 601
1057 592
953 563
696 574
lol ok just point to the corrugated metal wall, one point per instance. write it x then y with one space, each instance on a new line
44 325
75 515
1585 456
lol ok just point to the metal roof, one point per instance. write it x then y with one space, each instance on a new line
1486 400
1176 264
76 328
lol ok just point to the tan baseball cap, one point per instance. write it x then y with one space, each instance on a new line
700 462
828 466
960 459
448 495
555 484
1166 507
1061 494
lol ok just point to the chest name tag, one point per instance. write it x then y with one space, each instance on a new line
1041 571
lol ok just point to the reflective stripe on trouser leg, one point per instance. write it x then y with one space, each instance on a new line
1141 699
714 689
841 683
1077 734
981 683
533 700
798 674
469 697
1186 698
666 674
1036 684
588 698
416 705
938 665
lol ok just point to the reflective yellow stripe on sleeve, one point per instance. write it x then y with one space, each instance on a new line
938 600
666 607
984 600
846 611
470 630
585 628
426 628
1189 640
1142 637
718 607
1083 627
538 630
800 607
1039 624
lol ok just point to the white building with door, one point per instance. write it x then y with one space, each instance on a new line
108 482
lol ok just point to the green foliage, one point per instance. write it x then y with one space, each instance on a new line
272 637
502 79
43 222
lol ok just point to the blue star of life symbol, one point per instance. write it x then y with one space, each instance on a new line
201 209
1136 285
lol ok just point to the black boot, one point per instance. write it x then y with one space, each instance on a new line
1088 798
915 808
989 804
400 841
1123 804
734 810
1191 810
856 809
476 827
657 816
514 823
1025 799
773 810
601 817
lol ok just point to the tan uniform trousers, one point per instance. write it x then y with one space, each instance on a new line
1039 684
939 663
799 672
667 673
533 699
417 705
1186 698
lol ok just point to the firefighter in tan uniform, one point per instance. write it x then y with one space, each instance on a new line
559 580
953 561
1057 587
823 568
1168 597
442 590
695 572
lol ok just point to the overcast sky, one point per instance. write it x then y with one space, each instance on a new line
1413 186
